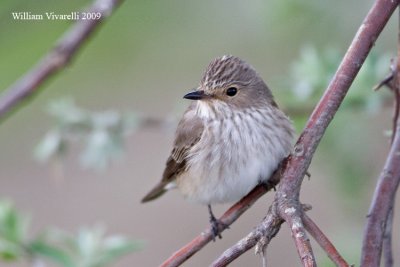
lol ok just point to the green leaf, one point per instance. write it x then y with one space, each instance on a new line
9 251
313 71
102 133
13 226
51 145
92 249
68 114
100 148
41 249
115 247
13 229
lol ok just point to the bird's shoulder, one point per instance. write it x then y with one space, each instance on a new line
188 134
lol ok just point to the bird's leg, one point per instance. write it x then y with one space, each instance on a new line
215 224
268 185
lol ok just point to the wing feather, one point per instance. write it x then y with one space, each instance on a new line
188 133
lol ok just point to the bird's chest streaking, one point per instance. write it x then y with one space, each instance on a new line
236 151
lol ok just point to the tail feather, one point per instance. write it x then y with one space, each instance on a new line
156 192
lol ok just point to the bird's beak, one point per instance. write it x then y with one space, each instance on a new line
196 95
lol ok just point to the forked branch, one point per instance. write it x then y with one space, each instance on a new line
378 230
230 216
288 192
262 233
287 196
286 205
382 203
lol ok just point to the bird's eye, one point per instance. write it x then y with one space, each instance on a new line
231 91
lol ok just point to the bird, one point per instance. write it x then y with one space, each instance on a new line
231 138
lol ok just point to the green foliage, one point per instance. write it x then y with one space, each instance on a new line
312 72
13 230
308 78
101 132
89 248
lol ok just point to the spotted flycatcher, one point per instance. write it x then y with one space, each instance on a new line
231 138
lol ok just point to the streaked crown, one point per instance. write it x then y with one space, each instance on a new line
227 69
228 72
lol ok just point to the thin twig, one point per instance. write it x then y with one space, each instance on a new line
394 86
324 242
396 111
387 241
266 230
56 59
259 237
385 82
382 202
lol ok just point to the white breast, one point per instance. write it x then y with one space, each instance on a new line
234 154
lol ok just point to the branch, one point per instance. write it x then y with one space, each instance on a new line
288 192
333 96
387 240
230 216
295 167
291 212
378 230
56 59
381 205
394 85
259 237
324 242
265 231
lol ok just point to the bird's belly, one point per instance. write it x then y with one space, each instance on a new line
223 180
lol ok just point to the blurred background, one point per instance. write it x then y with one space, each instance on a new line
138 65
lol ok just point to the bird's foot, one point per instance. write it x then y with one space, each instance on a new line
216 228
216 225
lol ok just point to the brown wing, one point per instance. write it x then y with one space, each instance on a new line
188 133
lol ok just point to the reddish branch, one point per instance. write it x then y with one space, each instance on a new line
227 219
288 191
332 98
55 60
287 195
394 85
396 82
381 205
259 237
292 214
324 242
378 230
287 205
265 232
387 241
